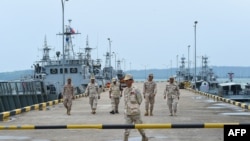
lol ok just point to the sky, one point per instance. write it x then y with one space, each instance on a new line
145 34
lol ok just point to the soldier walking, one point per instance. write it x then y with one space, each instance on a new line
173 95
68 95
114 94
92 91
132 100
149 92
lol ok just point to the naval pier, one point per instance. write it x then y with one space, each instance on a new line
199 117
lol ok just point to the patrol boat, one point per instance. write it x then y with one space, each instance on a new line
78 66
109 72
206 80
183 75
234 90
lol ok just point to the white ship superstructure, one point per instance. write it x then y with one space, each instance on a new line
77 66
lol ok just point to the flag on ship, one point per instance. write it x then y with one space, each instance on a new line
72 31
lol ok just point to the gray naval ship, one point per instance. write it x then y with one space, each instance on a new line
109 72
50 75
77 66
206 80
183 75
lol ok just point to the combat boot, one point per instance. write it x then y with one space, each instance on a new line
146 113
116 112
112 112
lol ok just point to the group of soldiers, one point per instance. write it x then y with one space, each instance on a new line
132 99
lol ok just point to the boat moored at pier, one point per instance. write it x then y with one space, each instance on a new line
78 66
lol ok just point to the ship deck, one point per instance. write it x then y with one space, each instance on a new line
194 108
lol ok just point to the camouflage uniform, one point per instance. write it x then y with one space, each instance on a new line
68 95
115 94
149 92
93 92
173 94
133 99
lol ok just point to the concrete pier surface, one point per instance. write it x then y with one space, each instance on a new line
193 108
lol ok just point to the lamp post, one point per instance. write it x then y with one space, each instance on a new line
109 51
188 64
195 22
63 1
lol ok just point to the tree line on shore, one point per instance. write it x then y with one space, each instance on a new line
221 72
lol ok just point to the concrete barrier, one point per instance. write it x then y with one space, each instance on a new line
4 115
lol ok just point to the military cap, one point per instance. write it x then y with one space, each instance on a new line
171 78
113 79
151 74
128 77
92 77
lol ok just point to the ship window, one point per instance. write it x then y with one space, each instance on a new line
73 70
53 71
65 70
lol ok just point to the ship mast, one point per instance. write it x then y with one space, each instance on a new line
204 68
46 50
119 65
107 61
68 46
88 52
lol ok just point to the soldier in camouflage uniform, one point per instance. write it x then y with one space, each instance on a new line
93 92
149 92
114 94
173 95
132 100
68 95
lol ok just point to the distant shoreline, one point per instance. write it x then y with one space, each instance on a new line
240 73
